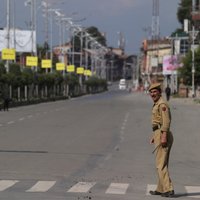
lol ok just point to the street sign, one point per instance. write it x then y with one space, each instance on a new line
31 61
46 63
70 68
8 54
87 72
60 66
80 70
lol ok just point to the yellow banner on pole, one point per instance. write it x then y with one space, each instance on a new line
47 63
31 61
8 54
80 70
60 66
70 68
87 72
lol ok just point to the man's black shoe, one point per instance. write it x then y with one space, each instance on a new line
168 194
154 192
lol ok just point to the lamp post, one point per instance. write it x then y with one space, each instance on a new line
194 34
193 67
8 31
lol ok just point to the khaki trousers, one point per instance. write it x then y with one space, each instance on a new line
162 160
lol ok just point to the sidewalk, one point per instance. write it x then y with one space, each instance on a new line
188 100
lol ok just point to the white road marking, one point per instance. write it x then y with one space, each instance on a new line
117 188
41 186
193 191
150 187
82 187
21 119
5 184
10 122
1 124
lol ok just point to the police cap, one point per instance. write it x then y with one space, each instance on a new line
155 86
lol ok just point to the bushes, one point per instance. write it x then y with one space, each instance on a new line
95 84
25 86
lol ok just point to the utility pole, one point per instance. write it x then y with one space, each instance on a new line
194 34
155 20
46 30
8 31
155 32
51 43
14 29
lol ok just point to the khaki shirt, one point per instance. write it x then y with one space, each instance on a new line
161 115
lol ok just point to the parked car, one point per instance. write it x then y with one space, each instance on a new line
122 84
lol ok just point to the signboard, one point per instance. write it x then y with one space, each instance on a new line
46 63
31 61
8 54
80 70
60 66
87 72
21 40
170 64
70 68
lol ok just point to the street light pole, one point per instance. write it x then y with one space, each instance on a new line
8 31
193 66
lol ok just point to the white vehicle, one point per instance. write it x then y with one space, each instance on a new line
122 84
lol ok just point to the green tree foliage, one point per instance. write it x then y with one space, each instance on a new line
186 70
15 69
13 77
58 78
49 79
2 68
184 10
72 79
94 83
27 76
94 32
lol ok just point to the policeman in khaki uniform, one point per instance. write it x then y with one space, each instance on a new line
162 139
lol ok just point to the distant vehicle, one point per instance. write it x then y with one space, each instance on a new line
122 84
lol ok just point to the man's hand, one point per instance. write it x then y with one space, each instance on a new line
163 139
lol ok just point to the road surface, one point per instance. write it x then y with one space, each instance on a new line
94 147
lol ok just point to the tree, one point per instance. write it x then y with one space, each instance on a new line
27 76
94 32
184 11
15 69
186 71
2 68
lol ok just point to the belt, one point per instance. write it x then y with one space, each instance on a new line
155 127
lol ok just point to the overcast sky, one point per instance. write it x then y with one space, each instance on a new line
110 16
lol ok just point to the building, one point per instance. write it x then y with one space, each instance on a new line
153 52
160 60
